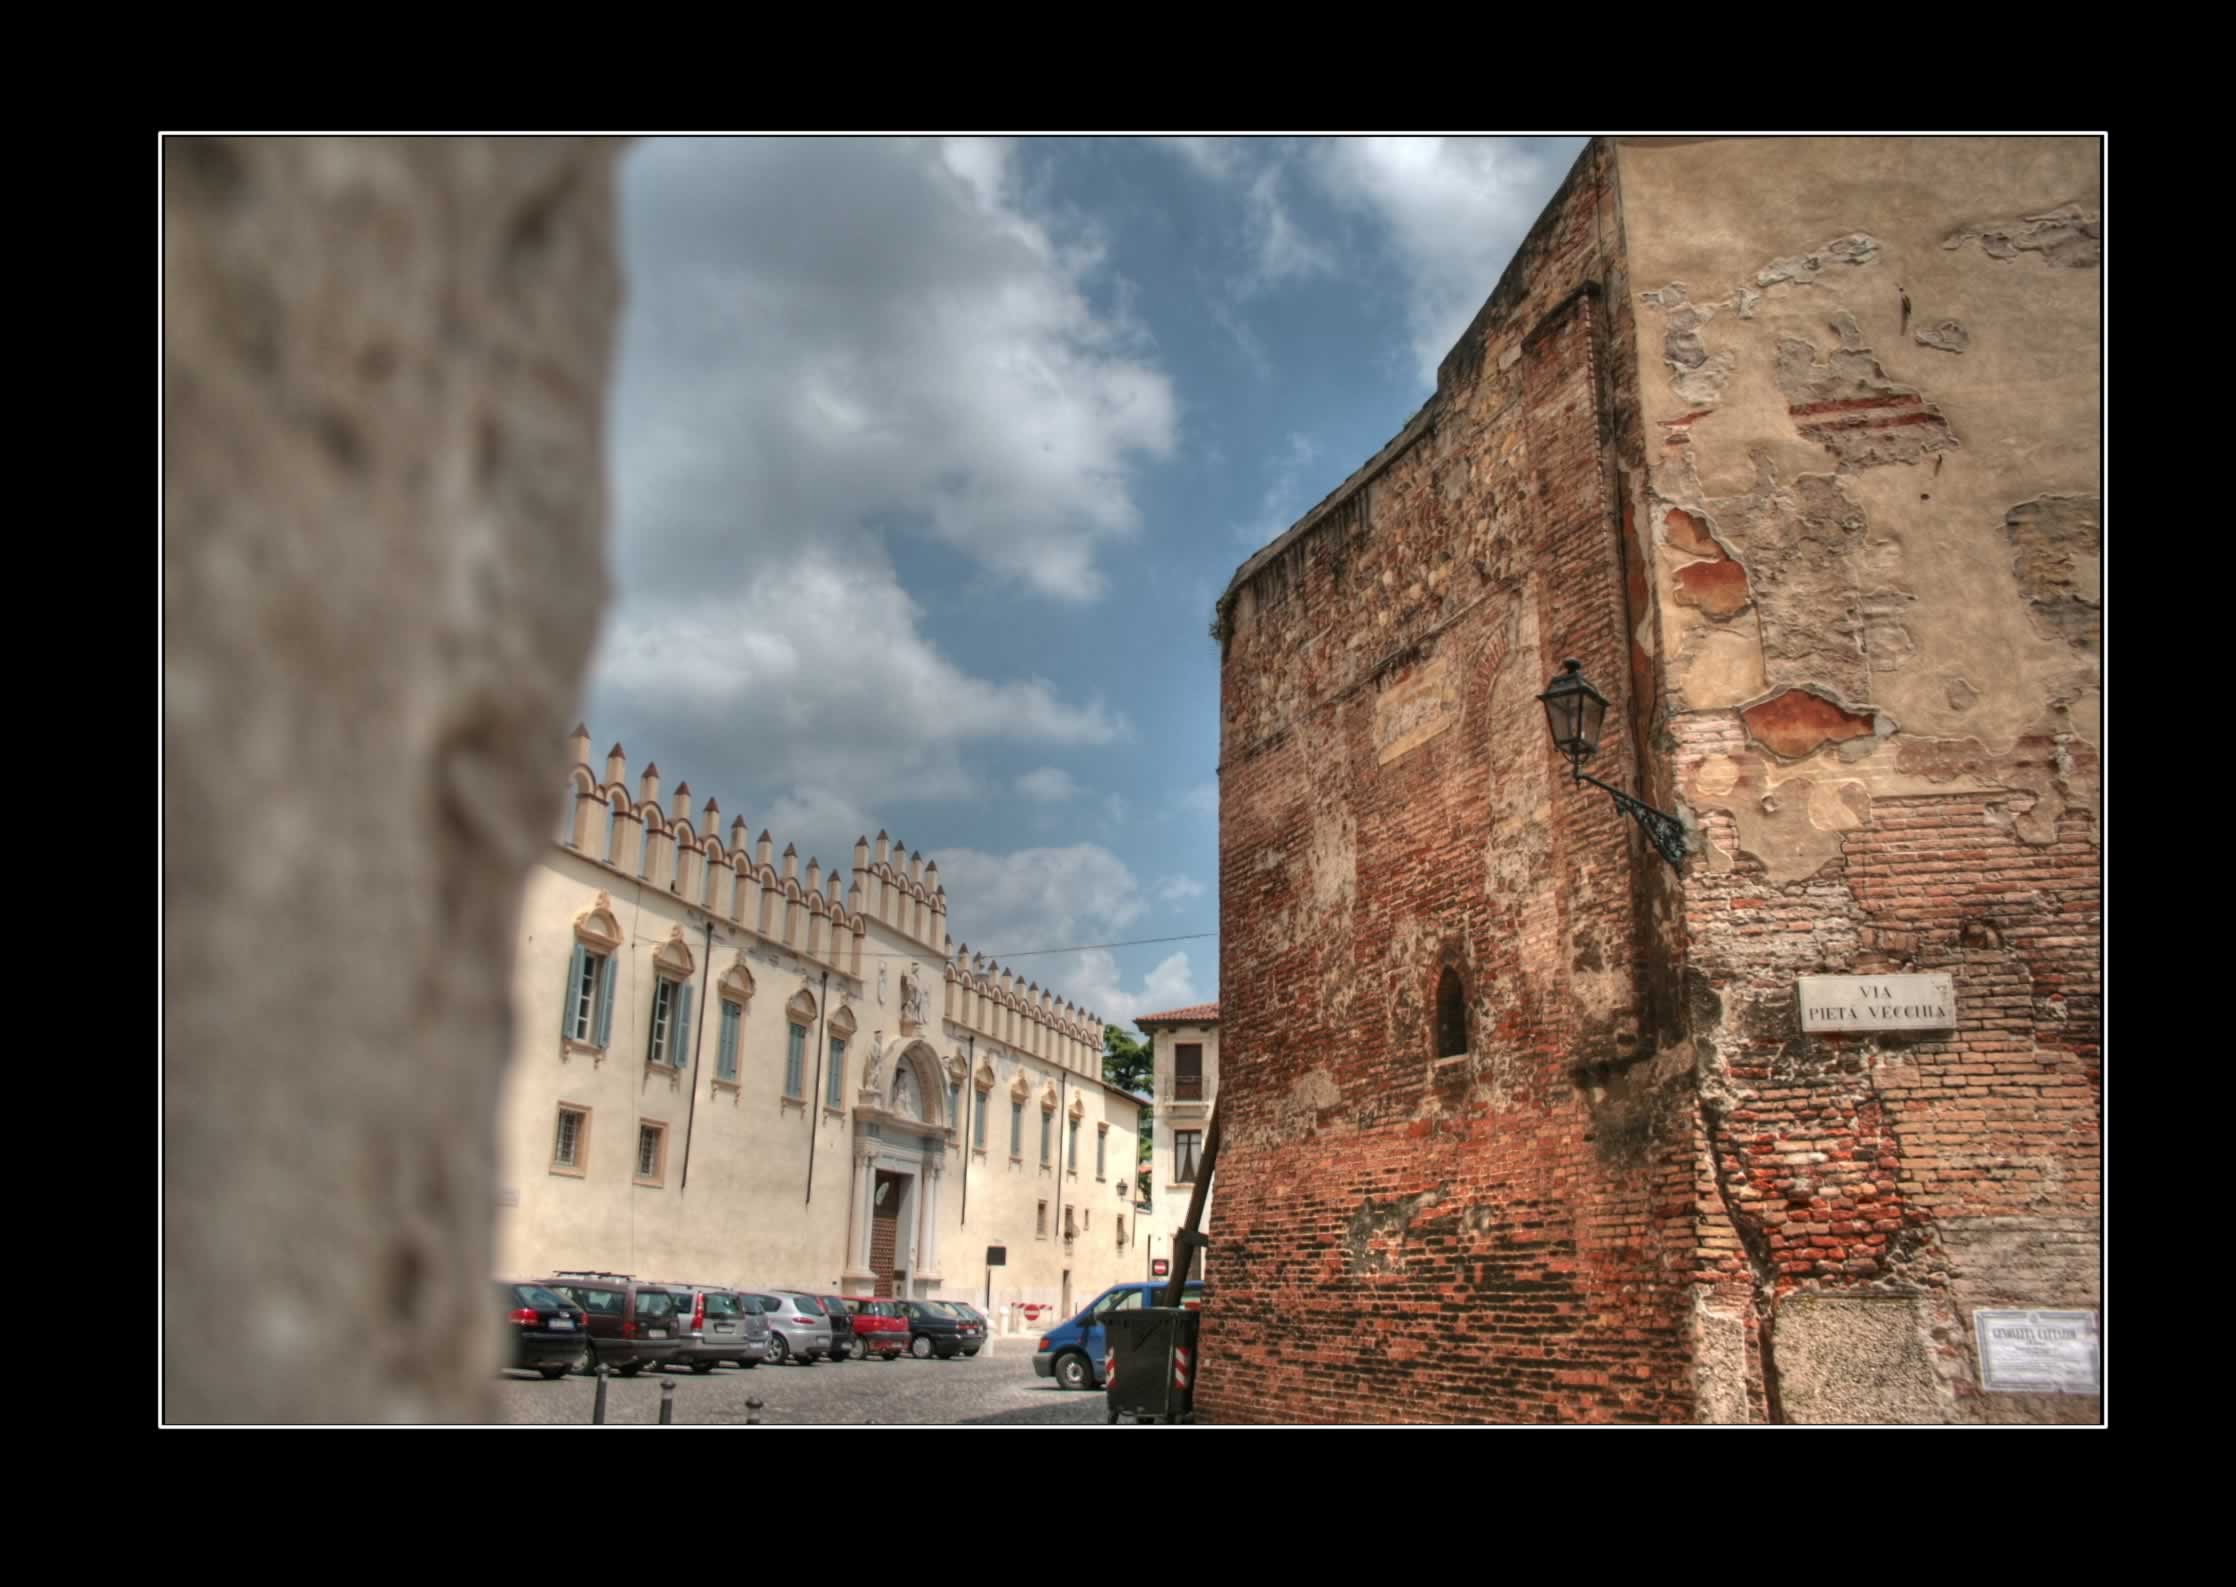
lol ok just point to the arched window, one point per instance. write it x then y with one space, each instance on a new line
1451 1016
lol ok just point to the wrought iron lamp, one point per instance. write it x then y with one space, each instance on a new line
1574 711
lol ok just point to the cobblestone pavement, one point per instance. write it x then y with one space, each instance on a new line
996 1386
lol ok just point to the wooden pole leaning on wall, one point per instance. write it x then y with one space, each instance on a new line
1187 1242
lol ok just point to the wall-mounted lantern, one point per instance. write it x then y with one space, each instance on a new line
1574 711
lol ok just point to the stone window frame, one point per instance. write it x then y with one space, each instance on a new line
671 964
595 931
982 1093
1040 1222
736 989
1020 1093
580 1168
1048 1131
1102 1152
838 1034
658 1179
1075 1116
958 1078
799 1015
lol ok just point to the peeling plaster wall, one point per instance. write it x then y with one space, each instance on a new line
1869 380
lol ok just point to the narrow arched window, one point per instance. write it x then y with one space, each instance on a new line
1451 1016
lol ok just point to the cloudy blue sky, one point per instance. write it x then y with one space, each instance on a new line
931 458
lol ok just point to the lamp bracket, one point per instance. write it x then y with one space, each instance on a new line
1662 829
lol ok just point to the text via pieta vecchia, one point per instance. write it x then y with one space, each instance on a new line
1864 1003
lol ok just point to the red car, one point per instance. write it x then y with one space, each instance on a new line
879 1328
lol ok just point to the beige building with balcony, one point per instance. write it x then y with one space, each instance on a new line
728 1070
1184 1043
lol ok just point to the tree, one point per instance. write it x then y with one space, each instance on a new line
1128 1062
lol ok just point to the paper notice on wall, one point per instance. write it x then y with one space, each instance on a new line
2038 1352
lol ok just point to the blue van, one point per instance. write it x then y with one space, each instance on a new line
1072 1352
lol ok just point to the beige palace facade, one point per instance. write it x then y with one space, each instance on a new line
728 1070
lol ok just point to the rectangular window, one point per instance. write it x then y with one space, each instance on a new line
570 1151
979 1130
1047 1129
582 1012
834 1094
1187 1072
652 1153
1016 1130
1102 1154
726 1046
663 1021
1040 1225
1185 1145
1071 1156
795 1062
954 1104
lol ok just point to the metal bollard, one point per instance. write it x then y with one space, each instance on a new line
667 1403
753 1405
598 1408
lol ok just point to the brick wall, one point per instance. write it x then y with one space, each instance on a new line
1498 1236
1641 1193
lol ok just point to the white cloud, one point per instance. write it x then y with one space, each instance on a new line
1051 784
1455 210
830 331
1217 158
1203 799
1291 493
1032 900
1036 899
1093 979
1177 890
1452 211
828 342
814 678
1280 249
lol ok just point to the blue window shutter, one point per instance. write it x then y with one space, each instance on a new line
680 1041
605 1001
574 990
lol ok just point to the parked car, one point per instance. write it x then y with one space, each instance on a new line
931 1331
633 1323
549 1332
718 1325
974 1325
842 1326
799 1329
1072 1352
879 1328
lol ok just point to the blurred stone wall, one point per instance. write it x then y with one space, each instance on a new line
384 384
